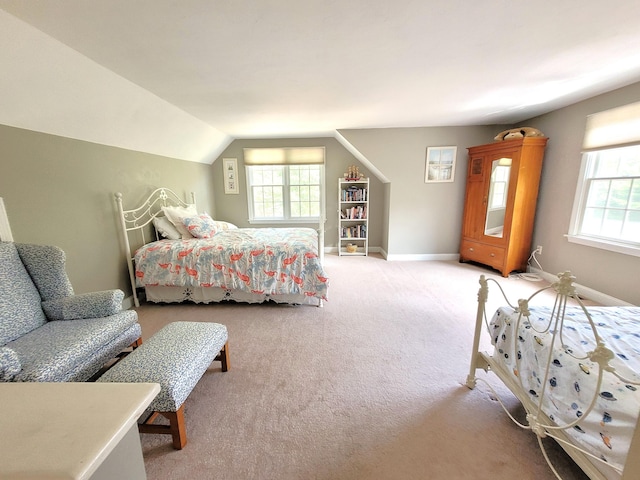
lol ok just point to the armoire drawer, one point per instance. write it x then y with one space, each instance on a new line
481 253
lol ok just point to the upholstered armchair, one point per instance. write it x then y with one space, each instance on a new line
49 334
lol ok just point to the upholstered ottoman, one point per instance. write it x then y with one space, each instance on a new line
176 357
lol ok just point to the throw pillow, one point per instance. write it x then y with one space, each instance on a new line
200 226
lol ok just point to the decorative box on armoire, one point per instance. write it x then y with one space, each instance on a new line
500 203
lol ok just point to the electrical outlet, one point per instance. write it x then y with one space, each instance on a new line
539 249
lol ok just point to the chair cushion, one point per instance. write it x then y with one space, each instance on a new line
9 364
20 310
46 265
49 352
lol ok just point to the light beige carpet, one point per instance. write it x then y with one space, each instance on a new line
368 387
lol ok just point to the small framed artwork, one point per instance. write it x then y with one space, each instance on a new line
440 164
230 175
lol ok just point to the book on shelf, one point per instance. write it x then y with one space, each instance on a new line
354 213
354 194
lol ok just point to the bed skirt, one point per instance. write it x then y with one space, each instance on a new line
214 294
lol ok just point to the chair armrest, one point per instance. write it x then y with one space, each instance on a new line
85 305
9 364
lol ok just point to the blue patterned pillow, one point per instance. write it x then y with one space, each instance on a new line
200 226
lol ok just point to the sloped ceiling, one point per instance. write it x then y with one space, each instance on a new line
184 78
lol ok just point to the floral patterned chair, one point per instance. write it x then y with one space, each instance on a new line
48 334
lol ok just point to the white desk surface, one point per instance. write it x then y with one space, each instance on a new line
65 430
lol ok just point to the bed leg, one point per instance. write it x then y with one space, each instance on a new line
483 293
320 303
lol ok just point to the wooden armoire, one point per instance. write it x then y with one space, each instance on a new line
500 203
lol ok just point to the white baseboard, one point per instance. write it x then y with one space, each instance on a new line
586 292
335 250
417 257
409 257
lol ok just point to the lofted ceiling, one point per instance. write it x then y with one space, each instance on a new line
305 68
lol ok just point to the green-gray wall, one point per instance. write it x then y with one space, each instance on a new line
233 208
424 219
608 272
60 191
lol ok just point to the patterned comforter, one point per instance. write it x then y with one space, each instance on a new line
569 387
269 261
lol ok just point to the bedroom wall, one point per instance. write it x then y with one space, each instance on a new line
424 220
608 272
233 208
59 191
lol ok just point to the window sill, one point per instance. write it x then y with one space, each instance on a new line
283 221
604 245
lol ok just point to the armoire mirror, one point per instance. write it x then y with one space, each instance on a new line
497 200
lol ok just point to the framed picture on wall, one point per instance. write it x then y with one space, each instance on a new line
230 175
440 164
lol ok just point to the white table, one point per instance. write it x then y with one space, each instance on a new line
72 430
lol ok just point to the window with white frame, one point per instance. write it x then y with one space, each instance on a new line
606 212
285 184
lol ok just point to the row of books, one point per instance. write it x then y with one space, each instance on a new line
355 231
353 194
354 213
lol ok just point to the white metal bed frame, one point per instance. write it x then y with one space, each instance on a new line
134 222
537 422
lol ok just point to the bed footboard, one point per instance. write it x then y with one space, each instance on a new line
597 357
478 360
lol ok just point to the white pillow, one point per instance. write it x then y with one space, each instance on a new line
166 229
220 225
175 216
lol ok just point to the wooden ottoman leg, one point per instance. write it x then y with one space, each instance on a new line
178 430
176 427
223 356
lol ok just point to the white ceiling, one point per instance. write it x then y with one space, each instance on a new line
283 68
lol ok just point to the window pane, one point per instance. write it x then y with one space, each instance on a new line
294 176
314 193
598 193
303 194
631 230
295 194
612 224
634 201
607 165
592 221
619 195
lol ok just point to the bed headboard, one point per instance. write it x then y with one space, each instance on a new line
134 223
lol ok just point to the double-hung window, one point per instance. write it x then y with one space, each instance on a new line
285 184
606 211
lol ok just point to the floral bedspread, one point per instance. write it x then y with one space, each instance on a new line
254 260
571 383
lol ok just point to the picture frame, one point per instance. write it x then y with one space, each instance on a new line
230 175
440 164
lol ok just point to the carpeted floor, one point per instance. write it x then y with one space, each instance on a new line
368 387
